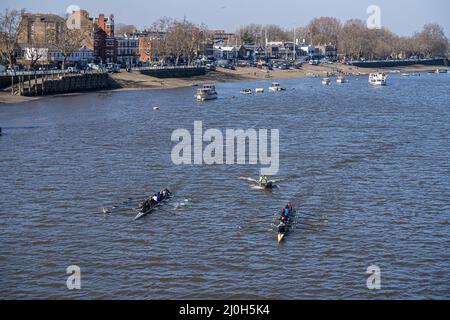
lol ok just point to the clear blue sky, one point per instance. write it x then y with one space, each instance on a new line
401 16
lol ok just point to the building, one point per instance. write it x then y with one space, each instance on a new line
254 52
82 56
328 50
39 29
222 38
229 53
127 54
105 46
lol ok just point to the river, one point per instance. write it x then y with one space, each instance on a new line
369 166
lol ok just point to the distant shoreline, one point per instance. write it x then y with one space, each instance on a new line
134 81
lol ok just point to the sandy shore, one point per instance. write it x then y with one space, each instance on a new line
134 81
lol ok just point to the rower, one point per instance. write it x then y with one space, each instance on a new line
263 179
282 227
289 205
287 211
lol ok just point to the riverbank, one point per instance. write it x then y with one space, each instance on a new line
133 81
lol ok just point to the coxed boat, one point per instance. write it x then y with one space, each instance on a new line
283 229
142 214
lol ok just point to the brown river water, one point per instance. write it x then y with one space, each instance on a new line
369 166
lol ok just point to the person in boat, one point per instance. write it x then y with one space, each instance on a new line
289 206
263 179
282 227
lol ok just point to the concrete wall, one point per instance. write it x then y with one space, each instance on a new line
400 63
67 84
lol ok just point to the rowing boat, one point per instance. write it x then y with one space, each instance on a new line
283 230
267 185
143 214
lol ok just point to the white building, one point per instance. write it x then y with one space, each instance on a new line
83 55
310 50
229 52
43 55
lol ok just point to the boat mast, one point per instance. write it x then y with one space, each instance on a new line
295 53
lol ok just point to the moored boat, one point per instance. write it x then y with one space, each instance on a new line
207 92
259 90
377 79
247 91
341 79
275 87
326 81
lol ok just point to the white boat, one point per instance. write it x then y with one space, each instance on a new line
341 79
208 92
441 71
259 90
377 79
326 81
275 87
247 91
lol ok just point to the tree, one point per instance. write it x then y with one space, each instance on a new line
183 39
159 38
10 27
433 41
66 41
276 33
353 39
122 28
324 30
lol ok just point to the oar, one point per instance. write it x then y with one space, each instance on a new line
314 219
304 223
304 229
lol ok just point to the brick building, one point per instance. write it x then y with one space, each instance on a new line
39 29
105 45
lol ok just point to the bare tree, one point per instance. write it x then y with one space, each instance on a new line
324 30
159 38
122 28
66 41
10 27
433 40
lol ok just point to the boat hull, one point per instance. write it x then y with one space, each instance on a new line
141 214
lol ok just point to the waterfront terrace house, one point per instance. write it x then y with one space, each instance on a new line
254 52
127 51
82 56
229 52
146 44
105 45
